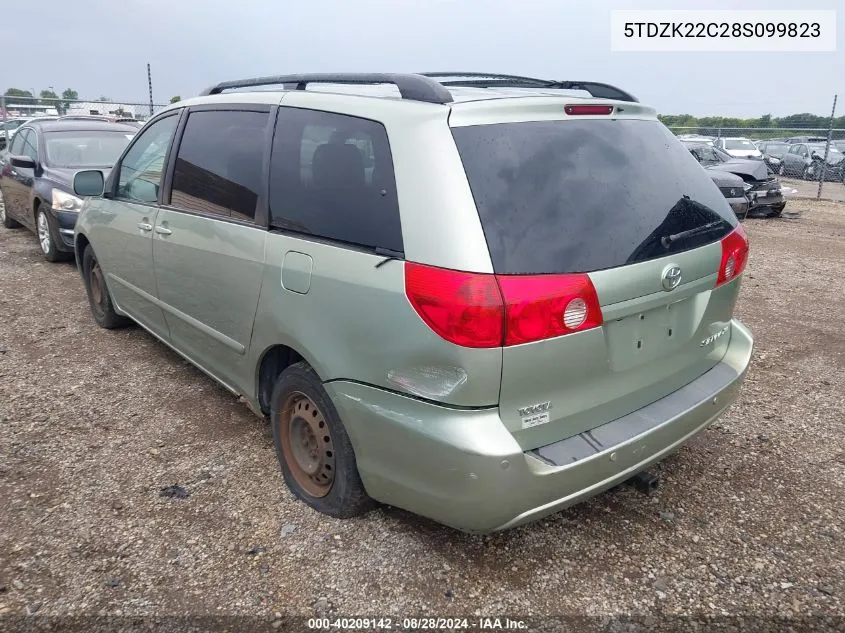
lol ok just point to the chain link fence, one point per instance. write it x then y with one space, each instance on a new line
822 138
15 110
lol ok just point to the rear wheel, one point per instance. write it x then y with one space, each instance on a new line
312 446
8 222
98 294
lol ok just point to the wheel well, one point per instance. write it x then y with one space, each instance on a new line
274 362
79 249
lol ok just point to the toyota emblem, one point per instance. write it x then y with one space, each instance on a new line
671 277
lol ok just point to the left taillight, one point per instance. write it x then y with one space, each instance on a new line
734 255
484 310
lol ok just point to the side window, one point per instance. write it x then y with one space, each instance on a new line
28 144
142 168
332 177
220 162
17 143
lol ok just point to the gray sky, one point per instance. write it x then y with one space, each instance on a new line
101 47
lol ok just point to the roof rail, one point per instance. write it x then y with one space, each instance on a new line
411 86
495 80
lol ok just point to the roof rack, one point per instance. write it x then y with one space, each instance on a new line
411 86
495 80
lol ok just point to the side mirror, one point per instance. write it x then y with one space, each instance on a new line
24 162
90 182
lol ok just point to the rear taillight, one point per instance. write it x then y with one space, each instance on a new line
734 255
573 110
482 310
544 306
464 308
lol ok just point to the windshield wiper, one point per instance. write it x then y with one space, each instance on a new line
667 240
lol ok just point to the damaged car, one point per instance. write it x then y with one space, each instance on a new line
806 160
763 188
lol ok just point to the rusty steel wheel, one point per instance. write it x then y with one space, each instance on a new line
98 293
307 444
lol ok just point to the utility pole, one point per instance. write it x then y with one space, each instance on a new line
150 82
827 147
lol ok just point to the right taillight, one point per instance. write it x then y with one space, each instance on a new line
734 255
484 310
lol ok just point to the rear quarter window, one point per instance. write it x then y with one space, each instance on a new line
584 195
332 177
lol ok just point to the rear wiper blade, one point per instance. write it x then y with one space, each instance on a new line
667 240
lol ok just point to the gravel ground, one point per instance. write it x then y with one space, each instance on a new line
806 189
749 521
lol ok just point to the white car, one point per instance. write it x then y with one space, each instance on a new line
739 147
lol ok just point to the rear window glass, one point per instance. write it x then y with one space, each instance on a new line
579 196
739 144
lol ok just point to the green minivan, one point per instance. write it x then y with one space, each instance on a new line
480 298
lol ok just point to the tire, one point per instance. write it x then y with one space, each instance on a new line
312 446
99 298
806 174
45 230
775 211
8 222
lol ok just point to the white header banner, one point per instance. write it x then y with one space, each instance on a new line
723 31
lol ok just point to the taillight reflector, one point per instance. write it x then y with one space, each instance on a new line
483 310
588 109
734 255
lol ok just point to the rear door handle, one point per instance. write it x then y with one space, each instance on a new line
145 226
161 230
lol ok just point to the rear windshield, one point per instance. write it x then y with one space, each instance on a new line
579 196
739 144
78 149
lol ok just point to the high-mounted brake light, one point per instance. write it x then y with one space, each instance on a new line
483 310
734 255
588 109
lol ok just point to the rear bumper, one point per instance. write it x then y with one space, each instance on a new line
464 469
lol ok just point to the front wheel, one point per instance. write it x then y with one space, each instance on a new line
98 293
807 174
46 231
312 446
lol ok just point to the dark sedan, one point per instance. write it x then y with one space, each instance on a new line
773 152
806 160
36 176
762 187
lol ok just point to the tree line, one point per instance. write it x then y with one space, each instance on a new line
793 121
50 98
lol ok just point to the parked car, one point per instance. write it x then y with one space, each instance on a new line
773 152
36 177
510 312
738 147
7 127
806 159
763 189
734 188
807 139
